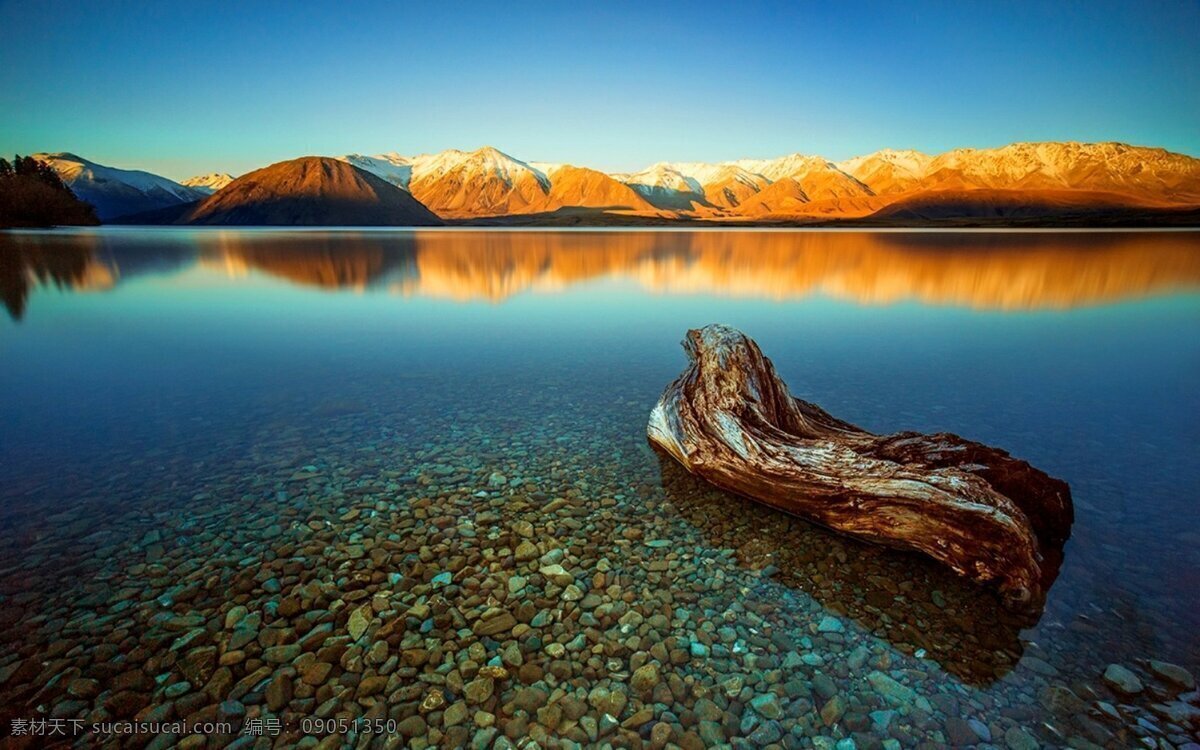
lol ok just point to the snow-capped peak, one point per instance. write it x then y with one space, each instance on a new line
910 162
791 165
663 175
72 168
486 161
209 183
391 167
546 168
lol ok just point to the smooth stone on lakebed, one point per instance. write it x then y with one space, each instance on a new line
184 622
1122 680
315 673
360 620
557 574
530 699
833 710
413 726
1173 673
241 636
526 551
892 691
1018 739
499 623
281 654
767 705
177 689
235 615
881 720
645 678
479 690
830 624
371 685
960 732
82 687
455 713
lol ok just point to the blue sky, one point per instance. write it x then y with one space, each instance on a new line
184 88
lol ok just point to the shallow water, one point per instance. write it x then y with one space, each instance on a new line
315 424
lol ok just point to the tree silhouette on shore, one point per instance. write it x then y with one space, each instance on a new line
33 195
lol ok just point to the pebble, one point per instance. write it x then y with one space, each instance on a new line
526 551
235 615
315 673
830 624
500 623
960 732
1018 739
767 705
890 690
413 726
479 690
520 594
1173 673
645 678
833 710
360 620
1122 680
881 720
281 654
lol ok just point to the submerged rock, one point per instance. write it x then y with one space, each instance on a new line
1173 673
1122 680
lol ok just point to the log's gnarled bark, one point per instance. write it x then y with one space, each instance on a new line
729 419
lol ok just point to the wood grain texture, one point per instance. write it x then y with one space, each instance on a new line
729 419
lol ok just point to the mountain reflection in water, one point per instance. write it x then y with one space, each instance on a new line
982 270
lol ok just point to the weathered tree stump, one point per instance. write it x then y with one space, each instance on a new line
730 420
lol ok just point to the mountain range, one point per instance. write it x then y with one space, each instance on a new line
1021 181
116 192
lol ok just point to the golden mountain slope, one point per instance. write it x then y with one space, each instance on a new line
888 171
781 197
1147 173
572 186
485 182
733 185
489 183
310 191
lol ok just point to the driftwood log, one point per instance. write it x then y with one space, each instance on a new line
730 420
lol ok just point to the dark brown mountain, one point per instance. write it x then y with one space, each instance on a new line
311 191
985 203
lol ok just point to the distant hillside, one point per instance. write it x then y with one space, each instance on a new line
32 195
983 203
115 192
311 191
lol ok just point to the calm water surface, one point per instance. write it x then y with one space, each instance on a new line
330 474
